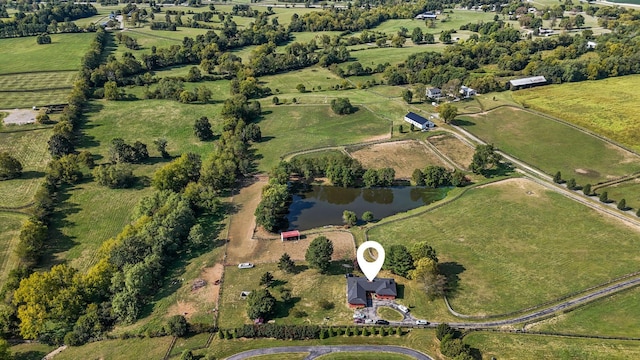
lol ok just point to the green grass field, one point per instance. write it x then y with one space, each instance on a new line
365 356
606 107
23 54
629 191
37 81
10 224
389 314
27 99
535 347
294 128
30 148
551 146
508 242
153 348
30 351
612 316
314 77
374 56
286 356
306 287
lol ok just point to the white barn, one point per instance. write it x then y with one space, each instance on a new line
418 121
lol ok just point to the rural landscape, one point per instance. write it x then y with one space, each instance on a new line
192 180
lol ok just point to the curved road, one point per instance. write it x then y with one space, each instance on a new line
316 351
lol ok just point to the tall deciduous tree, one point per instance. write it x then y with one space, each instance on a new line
447 112
177 174
10 167
484 158
407 96
319 253
421 250
60 145
260 304
349 217
177 325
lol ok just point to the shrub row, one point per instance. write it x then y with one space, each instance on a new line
304 332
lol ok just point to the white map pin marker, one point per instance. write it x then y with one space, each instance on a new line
370 269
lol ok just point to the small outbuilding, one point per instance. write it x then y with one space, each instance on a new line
427 15
591 44
527 82
418 121
290 235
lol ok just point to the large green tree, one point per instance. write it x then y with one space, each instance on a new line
342 106
260 304
202 129
484 158
286 264
447 112
177 174
10 167
398 260
319 253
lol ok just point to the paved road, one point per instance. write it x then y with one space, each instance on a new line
315 351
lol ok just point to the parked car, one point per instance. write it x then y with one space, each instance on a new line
422 322
359 315
358 321
245 266
369 321
382 322
403 308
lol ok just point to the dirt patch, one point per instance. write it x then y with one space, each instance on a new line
242 223
454 149
20 116
587 172
181 307
206 295
269 251
403 156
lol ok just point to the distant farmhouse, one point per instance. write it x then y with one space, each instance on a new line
434 93
427 15
527 82
361 291
467 92
418 121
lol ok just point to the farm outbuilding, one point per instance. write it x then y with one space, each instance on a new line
290 235
527 82
418 121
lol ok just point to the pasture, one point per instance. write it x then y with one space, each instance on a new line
365 356
313 78
453 148
294 128
19 55
534 347
606 107
551 146
404 157
30 147
27 99
135 348
10 224
503 244
372 56
628 190
615 315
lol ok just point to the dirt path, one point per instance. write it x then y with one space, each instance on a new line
242 224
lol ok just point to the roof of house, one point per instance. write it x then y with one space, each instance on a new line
417 118
357 288
529 81
434 90
288 234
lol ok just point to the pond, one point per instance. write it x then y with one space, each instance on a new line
318 206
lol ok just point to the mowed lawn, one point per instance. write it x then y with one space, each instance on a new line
10 224
535 347
629 191
608 107
616 315
27 99
146 348
551 146
515 244
23 54
30 148
293 128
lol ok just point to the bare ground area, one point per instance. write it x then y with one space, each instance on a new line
206 295
242 223
20 116
403 156
454 149
270 250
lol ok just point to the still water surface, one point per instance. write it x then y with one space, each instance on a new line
319 205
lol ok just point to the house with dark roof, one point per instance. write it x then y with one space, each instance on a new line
434 93
418 121
360 290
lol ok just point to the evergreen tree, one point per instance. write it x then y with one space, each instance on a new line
286 264
622 205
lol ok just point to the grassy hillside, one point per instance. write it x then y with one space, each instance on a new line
514 244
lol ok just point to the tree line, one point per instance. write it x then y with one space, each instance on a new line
51 17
